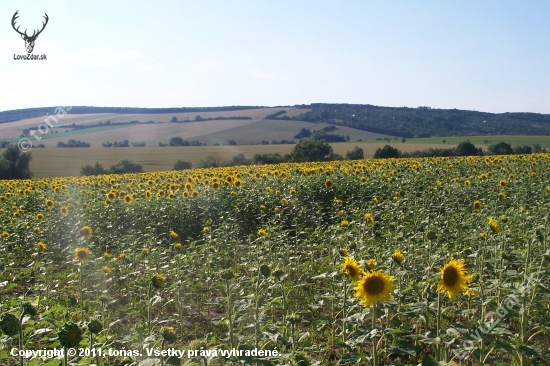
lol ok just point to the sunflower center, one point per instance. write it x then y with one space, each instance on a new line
450 276
374 286
351 271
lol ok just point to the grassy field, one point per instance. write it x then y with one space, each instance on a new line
544 141
13 129
59 162
278 130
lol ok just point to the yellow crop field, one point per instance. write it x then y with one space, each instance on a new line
369 262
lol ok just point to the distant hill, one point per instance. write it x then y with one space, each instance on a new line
395 121
20 114
424 121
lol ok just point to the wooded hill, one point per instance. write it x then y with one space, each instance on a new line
395 121
425 121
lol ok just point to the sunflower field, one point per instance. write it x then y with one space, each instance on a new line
439 261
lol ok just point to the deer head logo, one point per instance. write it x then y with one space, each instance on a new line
29 40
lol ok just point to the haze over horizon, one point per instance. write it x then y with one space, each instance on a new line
490 57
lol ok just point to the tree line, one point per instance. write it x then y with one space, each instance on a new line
426 122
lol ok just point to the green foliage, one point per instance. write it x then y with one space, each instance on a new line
269 158
211 161
386 152
502 148
88 170
355 154
182 165
328 137
176 141
239 159
311 150
425 122
125 166
304 132
466 148
14 164
73 143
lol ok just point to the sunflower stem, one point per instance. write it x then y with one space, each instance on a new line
229 314
438 354
344 311
81 292
149 308
374 340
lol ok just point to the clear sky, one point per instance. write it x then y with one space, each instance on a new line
490 55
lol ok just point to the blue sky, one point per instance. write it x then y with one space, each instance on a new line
479 55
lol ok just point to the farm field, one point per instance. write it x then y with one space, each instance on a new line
370 262
543 141
270 130
58 162
13 129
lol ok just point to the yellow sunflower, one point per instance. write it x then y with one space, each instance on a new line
64 210
49 203
345 223
82 254
262 232
42 247
371 264
351 269
493 224
374 287
329 184
128 199
398 256
454 278
39 217
370 219
158 281
477 205
343 252
173 234
86 232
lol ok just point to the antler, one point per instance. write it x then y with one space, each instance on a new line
34 34
15 16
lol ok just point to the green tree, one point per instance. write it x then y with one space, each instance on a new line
386 152
239 159
502 148
182 165
14 165
211 161
88 170
355 154
176 141
311 150
125 166
466 148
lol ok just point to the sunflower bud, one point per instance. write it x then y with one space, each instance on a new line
301 360
343 252
227 274
169 335
173 361
28 308
9 325
265 271
95 326
278 274
158 281
70 336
